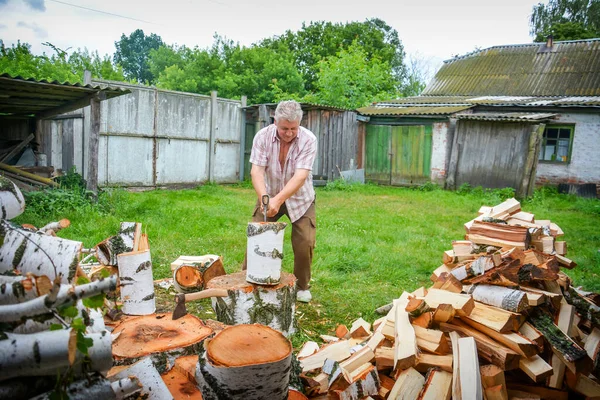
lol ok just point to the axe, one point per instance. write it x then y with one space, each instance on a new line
182 298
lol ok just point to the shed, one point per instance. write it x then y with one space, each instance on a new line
505 116
26 103
339 132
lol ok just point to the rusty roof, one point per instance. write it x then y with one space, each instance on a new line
520 101
25 97
567 68
508 117
408 110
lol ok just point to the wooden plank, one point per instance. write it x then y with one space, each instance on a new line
524 216
514 341
496 318
536 368
17 148
532 334
462 303
507 206
438 386
431 340
405 344
456 392
470 378
426 361
409 384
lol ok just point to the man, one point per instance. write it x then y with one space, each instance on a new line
282 159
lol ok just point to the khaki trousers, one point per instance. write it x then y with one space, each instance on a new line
303 241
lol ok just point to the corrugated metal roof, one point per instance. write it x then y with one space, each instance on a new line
306 106
569 68
521 101
507 117
22 96
412 110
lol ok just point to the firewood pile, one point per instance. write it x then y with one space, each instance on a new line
501 321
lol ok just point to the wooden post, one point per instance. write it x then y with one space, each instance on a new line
92 177
243 138
213 132
528 182
454 157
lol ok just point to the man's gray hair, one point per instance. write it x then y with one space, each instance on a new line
289 110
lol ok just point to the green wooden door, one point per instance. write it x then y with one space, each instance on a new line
250 132
377 154
398 155
411 154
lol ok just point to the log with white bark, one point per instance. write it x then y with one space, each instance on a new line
248 303
108 250
153 387
46 353
55 226
192 277
136 283
96 387
39 254
26 387
249 362
93 318
17 289
12 203
265 252
60 295
502 297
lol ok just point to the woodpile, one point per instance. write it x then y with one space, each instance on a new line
500 321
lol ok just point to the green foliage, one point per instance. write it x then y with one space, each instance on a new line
18 60
133 52
351 80
341 185
566 19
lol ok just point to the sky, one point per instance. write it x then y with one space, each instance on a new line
430 30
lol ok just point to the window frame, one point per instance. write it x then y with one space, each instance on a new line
571 127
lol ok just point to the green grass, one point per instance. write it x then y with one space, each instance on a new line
372 242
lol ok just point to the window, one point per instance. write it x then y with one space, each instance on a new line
556 143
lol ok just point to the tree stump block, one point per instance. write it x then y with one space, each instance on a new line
158 337
249 303
190 277
249 362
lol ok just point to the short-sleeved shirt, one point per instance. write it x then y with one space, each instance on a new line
301 155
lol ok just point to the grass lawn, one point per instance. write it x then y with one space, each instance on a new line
372 242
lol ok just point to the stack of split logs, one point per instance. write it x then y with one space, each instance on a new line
501 321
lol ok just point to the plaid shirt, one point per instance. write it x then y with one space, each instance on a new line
302 153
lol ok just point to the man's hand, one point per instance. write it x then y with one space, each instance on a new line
274 206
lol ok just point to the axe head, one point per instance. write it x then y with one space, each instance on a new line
180 309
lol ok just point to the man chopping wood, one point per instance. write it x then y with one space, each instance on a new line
282 158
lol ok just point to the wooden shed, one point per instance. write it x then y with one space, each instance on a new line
339 132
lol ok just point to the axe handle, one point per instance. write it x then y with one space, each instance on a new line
205 294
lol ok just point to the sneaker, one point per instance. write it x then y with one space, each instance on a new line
304 296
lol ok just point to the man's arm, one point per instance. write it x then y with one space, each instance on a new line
289 189
257 173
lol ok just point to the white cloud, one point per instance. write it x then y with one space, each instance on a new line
39 32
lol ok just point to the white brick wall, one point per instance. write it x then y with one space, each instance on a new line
585 156
439 152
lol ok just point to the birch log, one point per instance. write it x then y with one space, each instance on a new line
96 387
40 254
153 387
12 203
59 295
248 303
502 297
47 353
159 337
108 250
249 362
92 317
265 252
136 283
17 289
193 277
55 226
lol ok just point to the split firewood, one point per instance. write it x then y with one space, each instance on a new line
308 348
424 320
583 384
352 363
405 341
508 299
108 250
60 295
251 303
584 306
180 386
513 340
592 347
456 393
541 391
360 329
193 277
536 368
39 254
438 271
341 331
158 337
12 202
415 307
509 206
443 313
409 384
384 357
17 289
55 226
431 340
496 318
240 356
554 298
365 382
470 378
462 303
493 382
136 283
449 282
477 267
499 235
153 387
427 361
488 349
438 385
337 351
49 352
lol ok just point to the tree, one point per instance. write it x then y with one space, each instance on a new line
418 73
319 40
351 80
566 20
133 52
